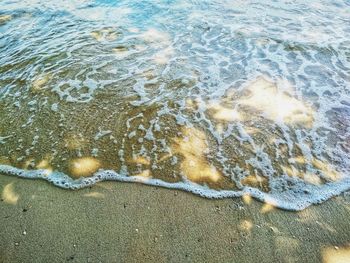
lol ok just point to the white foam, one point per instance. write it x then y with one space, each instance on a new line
288 200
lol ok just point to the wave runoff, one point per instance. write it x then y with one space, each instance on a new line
218 98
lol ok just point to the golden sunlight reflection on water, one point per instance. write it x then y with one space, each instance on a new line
193 147
85 166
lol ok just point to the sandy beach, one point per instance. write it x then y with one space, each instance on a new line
124 222
217 98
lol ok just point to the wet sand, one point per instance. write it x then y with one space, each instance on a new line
123 222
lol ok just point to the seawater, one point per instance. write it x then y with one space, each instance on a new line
218 98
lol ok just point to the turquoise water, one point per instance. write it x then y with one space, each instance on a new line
219 98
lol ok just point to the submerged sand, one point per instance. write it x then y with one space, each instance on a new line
123 222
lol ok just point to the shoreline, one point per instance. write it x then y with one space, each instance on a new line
61 180
128 222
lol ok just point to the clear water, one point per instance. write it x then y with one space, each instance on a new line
219 98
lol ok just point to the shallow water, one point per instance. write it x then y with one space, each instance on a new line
219 98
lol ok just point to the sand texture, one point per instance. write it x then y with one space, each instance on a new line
124 222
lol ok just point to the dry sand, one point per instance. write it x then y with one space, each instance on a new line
123 222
